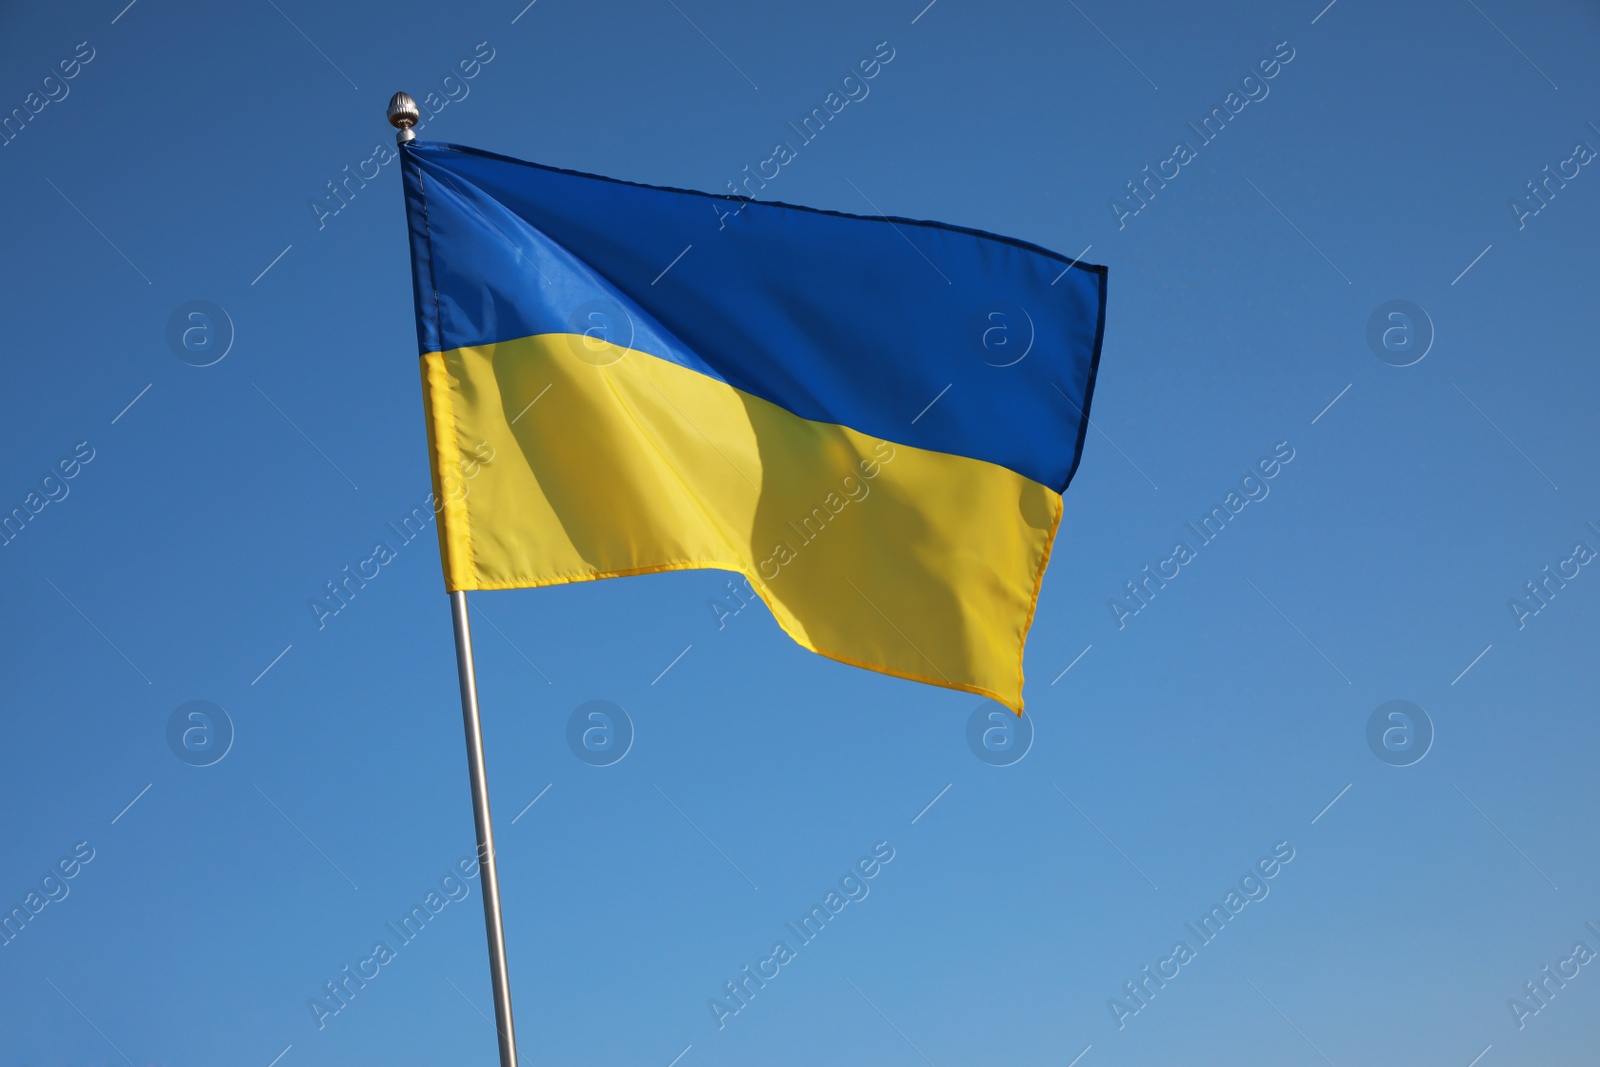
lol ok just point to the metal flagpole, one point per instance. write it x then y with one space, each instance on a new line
403 114
490 879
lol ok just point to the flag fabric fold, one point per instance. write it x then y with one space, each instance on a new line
871 419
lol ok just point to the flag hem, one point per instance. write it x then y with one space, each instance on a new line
1016 242
721 565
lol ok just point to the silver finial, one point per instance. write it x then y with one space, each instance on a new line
403 114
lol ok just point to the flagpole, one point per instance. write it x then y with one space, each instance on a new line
403 114
490 877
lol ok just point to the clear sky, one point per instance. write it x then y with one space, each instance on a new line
165 160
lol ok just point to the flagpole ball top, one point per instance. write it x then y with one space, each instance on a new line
403 114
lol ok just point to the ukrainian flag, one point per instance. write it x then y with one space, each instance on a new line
871 419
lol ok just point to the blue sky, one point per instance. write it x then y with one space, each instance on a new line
1229 717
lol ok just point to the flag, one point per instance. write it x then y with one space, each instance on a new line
871 419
